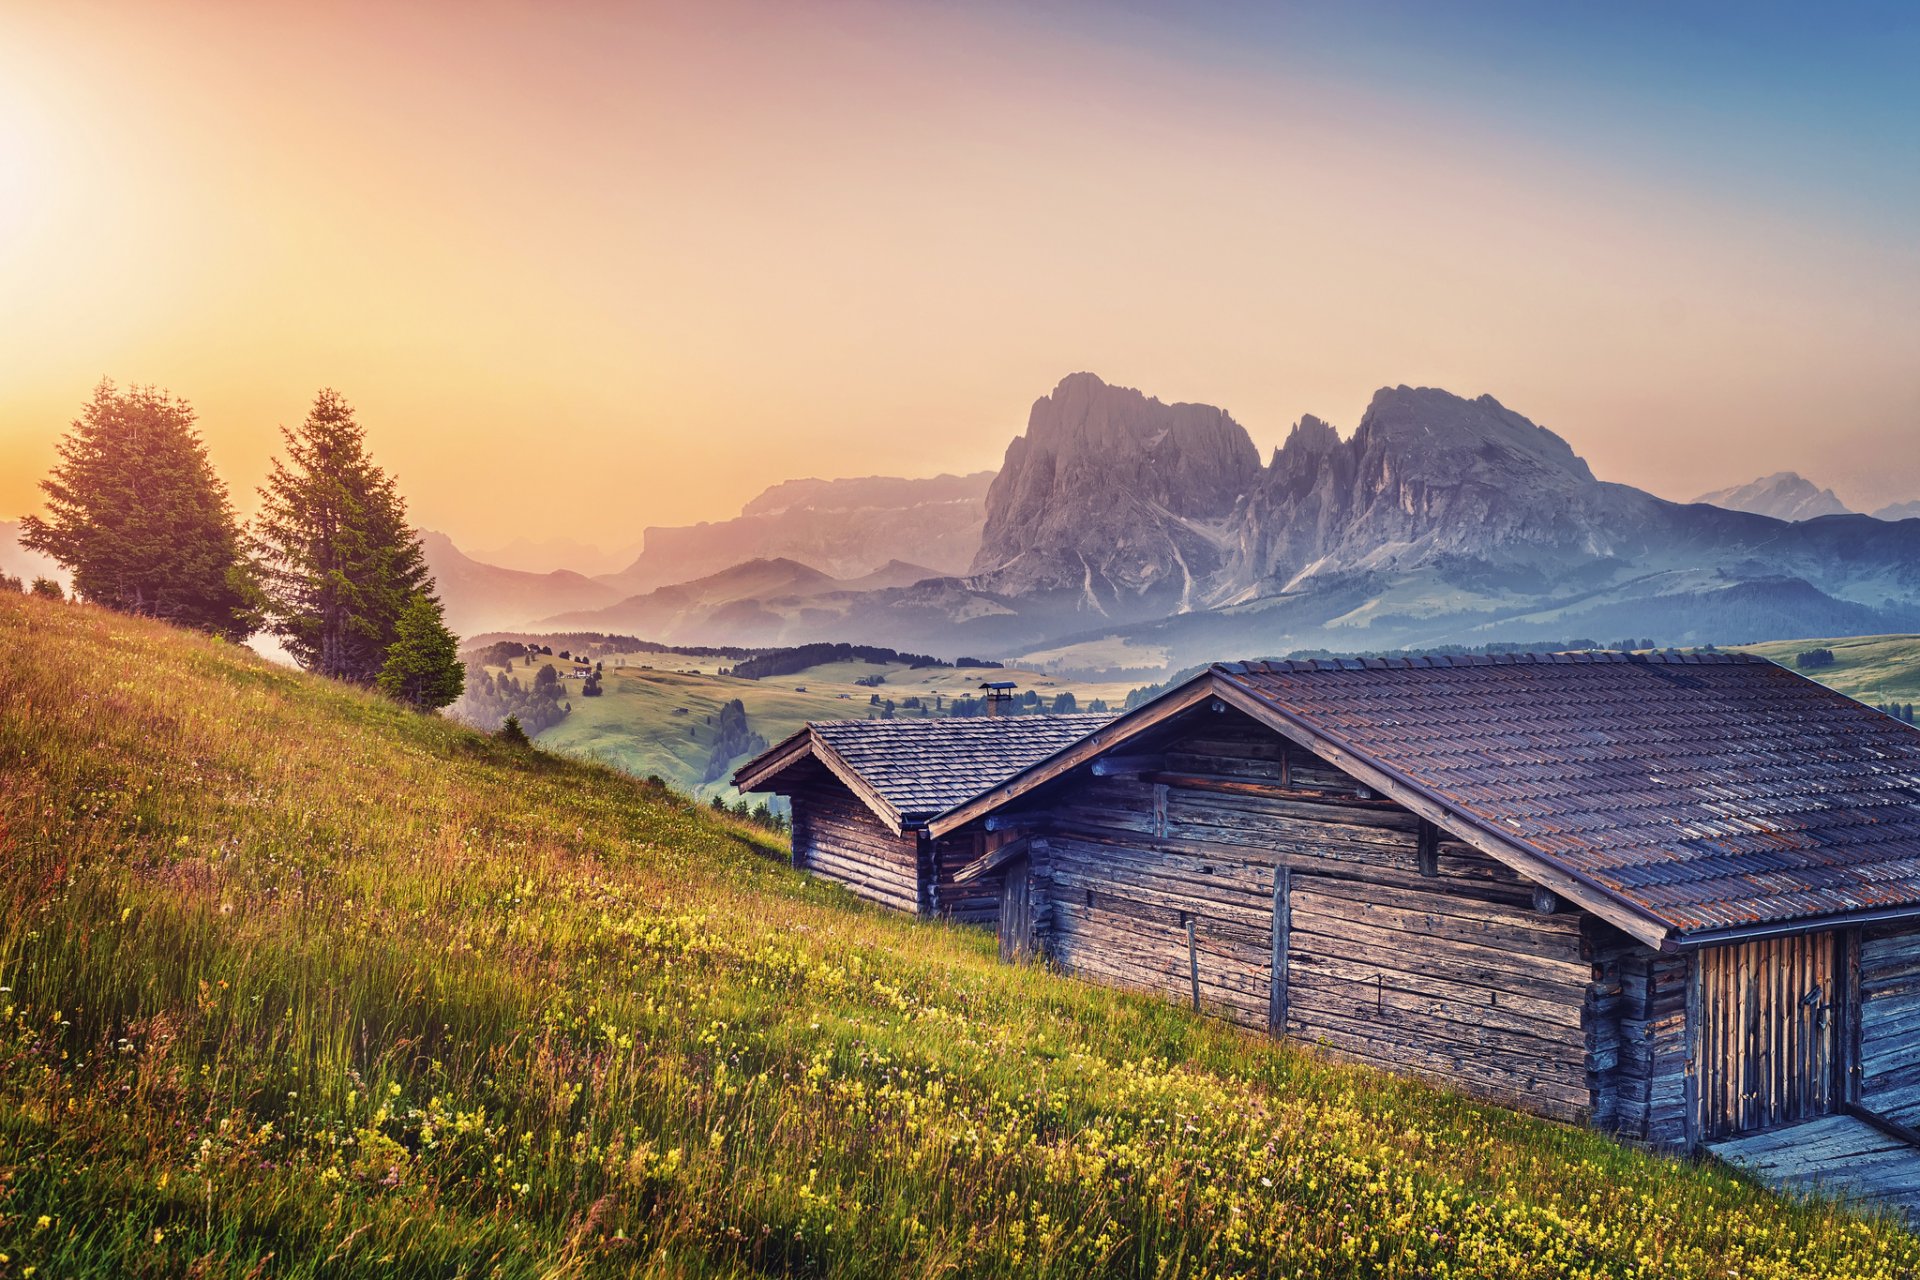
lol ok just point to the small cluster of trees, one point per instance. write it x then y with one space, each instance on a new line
761 814
489 701
1813 659
1898 710
733 737
330 565
46 588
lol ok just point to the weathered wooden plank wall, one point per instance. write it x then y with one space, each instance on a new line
1767 1044
836 836
1889 1017
970 902
1644 1094
1154 880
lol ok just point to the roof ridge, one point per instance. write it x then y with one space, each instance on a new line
1564 657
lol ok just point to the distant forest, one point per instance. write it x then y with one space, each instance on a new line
786 662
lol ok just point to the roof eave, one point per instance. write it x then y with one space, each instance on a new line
803 744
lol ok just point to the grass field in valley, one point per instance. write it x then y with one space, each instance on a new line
654 716
300 984
1875 669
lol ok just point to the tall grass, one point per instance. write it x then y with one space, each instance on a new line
301 984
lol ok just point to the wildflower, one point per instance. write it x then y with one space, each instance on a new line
43 1223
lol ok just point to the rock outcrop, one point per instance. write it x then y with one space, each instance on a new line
1115 501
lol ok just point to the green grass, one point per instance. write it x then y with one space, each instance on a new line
300 984
1874 669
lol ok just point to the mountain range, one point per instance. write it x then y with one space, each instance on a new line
1787 495
1123 530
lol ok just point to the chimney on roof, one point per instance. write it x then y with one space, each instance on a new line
996 692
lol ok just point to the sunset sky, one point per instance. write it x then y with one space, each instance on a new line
588 268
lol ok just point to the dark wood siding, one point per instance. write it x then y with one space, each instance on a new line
1643 1088
838 837
1888 986
1167 882
976 901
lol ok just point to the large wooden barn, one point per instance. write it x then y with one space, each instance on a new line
1676 897
863 790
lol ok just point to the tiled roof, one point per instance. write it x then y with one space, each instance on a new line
1710 790
924 767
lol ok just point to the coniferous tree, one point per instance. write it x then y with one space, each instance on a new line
338 559
423 667
47 589
136 513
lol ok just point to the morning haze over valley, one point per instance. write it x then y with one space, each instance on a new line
895 639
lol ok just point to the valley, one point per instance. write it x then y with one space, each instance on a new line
659 713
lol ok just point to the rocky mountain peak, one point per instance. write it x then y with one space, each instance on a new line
1784 495
1449 430
1109 494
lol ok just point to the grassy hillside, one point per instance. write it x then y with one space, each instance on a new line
299 984
652 719
1874 669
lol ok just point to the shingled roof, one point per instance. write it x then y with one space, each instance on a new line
1702 792
910 770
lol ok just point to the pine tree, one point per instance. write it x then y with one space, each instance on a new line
135 511
339 561
423 666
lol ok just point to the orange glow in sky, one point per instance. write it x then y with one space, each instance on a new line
585 269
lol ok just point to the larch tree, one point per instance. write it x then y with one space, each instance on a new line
423 666
137 515
339 562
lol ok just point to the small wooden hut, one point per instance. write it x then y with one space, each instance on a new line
863 790
1675 897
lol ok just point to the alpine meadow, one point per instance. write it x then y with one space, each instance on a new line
303 983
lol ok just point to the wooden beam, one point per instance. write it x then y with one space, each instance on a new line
999 857
1282 943
1117 766
1427 851
1193 963
1258 789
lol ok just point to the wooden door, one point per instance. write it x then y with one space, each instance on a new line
1766 1033
1016 912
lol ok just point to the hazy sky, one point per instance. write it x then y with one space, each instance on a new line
588 268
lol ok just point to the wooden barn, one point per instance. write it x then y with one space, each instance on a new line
863 790
1675 897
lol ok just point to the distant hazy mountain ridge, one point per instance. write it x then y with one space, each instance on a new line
845 528
1784 495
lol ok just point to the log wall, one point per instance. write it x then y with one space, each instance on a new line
1238 854
838 837
1887 990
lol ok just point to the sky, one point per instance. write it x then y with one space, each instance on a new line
588 268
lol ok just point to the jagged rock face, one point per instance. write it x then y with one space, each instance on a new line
1427 476
1115 497
1784 495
